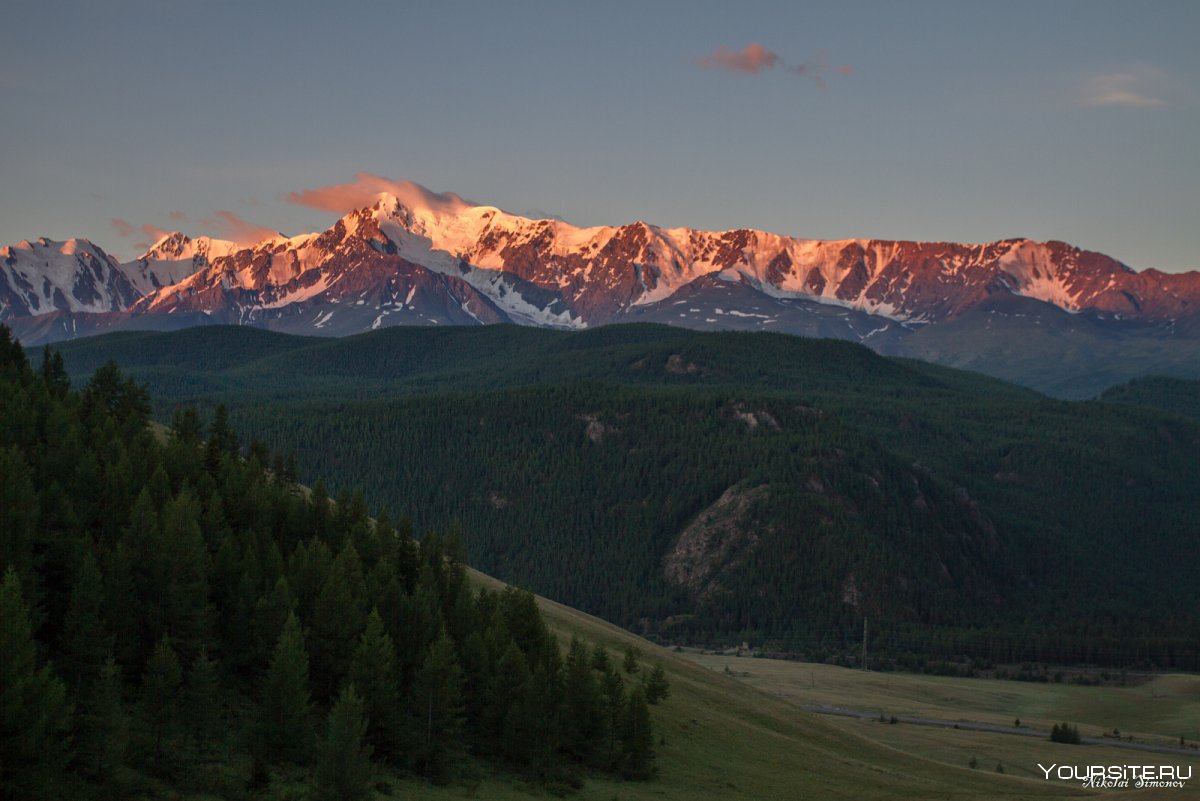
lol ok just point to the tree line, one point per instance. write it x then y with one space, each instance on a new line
175 613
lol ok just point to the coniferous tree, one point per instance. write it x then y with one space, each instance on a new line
657 686
284 729
338 619
637 738
186 427
270 613
85 643
436 712
34 713
102 736
19 515
503 707
613 687
630 663
181 583
600 659
222 441
202 703
374 675
160 702
344 770
54 372
583 717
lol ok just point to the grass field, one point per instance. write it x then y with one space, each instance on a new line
1157 711
724 739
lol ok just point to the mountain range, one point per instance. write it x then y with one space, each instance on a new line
1066 321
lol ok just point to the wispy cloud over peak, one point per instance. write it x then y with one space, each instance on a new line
228 225
366 188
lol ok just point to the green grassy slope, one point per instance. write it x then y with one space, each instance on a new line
725 740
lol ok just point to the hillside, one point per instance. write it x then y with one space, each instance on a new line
716 487
143 629
1171 395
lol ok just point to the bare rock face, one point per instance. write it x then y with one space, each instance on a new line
713 542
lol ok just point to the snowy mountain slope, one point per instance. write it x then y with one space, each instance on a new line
173 258
44 276
423 258
601 273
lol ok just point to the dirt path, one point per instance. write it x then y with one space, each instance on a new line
1020 731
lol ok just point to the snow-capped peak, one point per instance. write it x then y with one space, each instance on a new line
178 245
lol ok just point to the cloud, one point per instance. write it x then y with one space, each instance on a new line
755 58
228 225
150 233
366 188
153 233
1141 87
177 215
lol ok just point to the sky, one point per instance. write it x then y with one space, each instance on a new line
960 121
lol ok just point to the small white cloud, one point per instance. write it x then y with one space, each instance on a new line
1142 87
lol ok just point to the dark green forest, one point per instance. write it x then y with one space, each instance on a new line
1175 395
711 488
177 612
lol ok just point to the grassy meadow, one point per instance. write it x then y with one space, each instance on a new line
1157 711
730 738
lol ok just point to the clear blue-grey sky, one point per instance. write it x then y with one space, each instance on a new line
963 121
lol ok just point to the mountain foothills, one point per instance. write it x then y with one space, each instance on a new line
721 487
175 618
1046 314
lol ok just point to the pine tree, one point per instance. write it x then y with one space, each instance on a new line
600 660
284 729
103 728
583 719
222 441
613 689
19 515
657 686
180 583
203 705
186 427
502 707
344 770
373 672
630 663
85 644
338 619
270 613
637 738
437 713
54 372
34 713
160 701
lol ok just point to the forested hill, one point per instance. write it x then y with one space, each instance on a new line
175 618
720 487
1174 395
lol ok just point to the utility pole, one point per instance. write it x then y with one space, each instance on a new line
864 656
